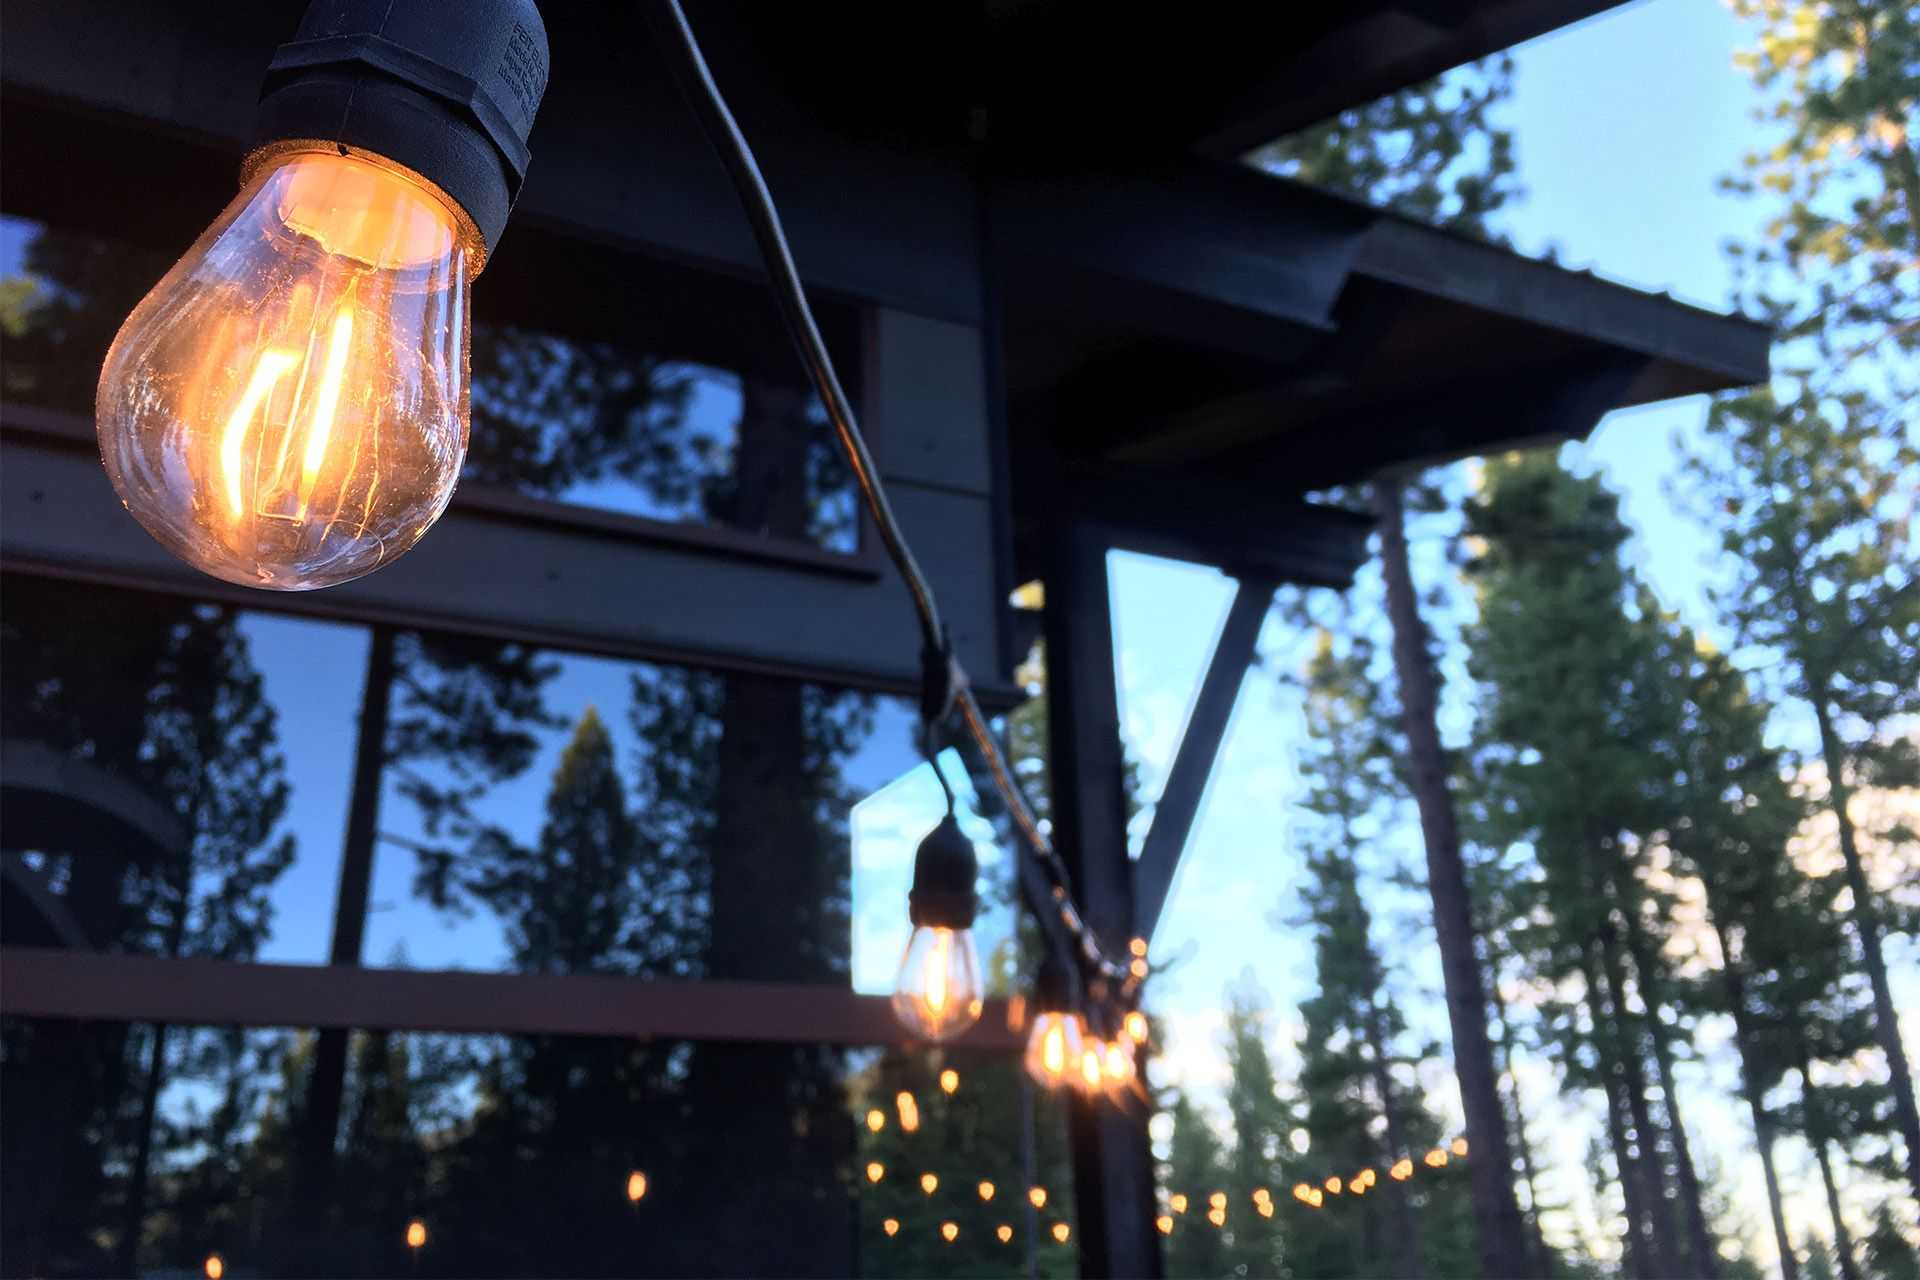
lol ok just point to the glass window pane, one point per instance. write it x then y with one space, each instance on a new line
515 1156
176 774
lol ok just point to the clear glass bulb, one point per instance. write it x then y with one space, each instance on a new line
288 407
1053 1048
937 995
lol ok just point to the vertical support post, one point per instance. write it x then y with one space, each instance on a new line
1112 1162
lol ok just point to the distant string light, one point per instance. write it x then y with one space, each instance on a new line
1062 1232
1037 1197
875 1171
909 1111
215 1267
636 1186
951 1230
986 1190
876 1120
949 1081
416 1234
891 1226
1004 1231
929 1182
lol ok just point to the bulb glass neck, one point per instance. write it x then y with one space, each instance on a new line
358 205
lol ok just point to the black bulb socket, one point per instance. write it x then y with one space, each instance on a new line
447 90
944 870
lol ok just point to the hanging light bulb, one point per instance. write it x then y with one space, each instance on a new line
1334 1184
986 1190
1062 1232
937 994
949 1081
416 1234
950 1230
1261 1195
1037 1197
1137 1027
1218 1217
1164 1223
909 1111
1218 1200
1054 1044
1402 1169
1004 1231
1265 1208
1302 1192
1092 1067
288 408
1177 1202
890 1226
876 1120
1460 1146
1116 1064
875 1171
929 1182
1436 1158
215 1266
636 1186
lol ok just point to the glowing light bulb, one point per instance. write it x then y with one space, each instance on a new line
1178 1203
636 1186
1265 1208
986 1190
1061 1232
929 1183
1333 1185
288 408
1165 1224
876 1120
1261 1195
1136 1026
1037 1197
416 1234
1315 1198
1402 1169
1218 1217
1302 1192
890 1226
909 1111
1004 1231
949 1080
1092 1067
1053 1048
937 994
1218 1200
951 1230
876 1171
1116 1063
215 1266
1460 1146
1436 1158
1137 967
1138 947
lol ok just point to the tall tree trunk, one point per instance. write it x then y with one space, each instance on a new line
1638 1241
1502 1232
312 1203
1821 1134
1634 1080
1706 1262
1763 1130
1411 1264
1542 1260
1866 923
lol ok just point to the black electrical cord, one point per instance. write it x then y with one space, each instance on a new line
708 103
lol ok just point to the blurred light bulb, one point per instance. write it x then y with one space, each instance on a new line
1053 1048
909 1111
986 1190
1165 1223
1137 1026
636 1186
1092 1067
1218 1200
1218 1217
937 995
1302 1192
1037 1197
416 1234
890 1226
1436 1158
949 1080
1402 1169
929 1183
1315 1197
1116 1063
950 1230
1460 1146
1004 1231
215 1266
1178 1203
1333 1185
1061 1231
1261 1195
288 407
876 1171
1265 1208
